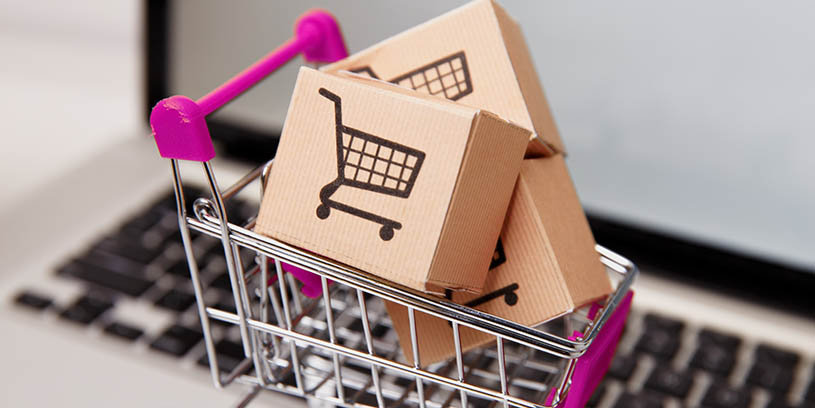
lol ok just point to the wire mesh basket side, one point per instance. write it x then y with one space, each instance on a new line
340 347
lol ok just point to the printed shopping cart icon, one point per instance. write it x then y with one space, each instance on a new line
508 292
370 163
449 76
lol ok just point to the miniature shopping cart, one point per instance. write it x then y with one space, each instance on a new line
338 345
448 77
359 155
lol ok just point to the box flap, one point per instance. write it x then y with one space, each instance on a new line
529 83
463 55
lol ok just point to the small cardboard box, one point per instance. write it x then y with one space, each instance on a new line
545 265
399 184
475 54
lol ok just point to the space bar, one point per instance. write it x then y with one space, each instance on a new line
129 285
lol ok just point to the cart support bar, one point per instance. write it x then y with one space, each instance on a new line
178 122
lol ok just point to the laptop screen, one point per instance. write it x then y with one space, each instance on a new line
694 118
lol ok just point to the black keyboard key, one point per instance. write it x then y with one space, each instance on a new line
379 330
661 344
771 376
176 340
368 398
723 396
226 304
181 269
622 367
596 396
114 262
670 382
124 331
810 392
710 337
641 400
404 381
356 326
656 322
773 369
782 402
228 354
714 359
106 278
33 300
175 300
222 282
475 402
143 222
784 358
129 247
85 310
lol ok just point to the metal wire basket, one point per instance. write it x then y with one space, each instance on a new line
336 344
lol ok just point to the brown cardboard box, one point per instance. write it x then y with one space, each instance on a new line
549 265
433 221
475 54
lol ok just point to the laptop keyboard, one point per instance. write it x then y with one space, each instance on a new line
661 361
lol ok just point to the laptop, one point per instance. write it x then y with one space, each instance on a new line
688 142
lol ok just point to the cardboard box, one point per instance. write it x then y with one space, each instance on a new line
475 54
549 265
428 214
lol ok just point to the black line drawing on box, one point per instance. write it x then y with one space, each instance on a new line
370 163
449 76
508 292
498 257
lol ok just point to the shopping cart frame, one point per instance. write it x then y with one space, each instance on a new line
181 134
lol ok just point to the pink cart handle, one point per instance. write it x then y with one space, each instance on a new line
178 122
592 366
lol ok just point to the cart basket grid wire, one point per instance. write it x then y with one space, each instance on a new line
339 353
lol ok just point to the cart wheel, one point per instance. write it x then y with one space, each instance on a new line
386 233
323 211
511 298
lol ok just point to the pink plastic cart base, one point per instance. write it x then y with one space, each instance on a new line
592 366
312 284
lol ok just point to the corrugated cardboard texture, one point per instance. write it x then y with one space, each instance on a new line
566 229
307 163
550 269
480 201
498 74
543 123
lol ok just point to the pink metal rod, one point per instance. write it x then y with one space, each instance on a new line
251 75
178 122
